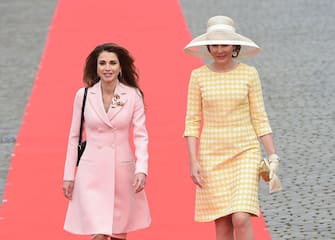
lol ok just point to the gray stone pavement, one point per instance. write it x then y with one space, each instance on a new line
297 69
23 30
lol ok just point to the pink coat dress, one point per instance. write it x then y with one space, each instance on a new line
104 201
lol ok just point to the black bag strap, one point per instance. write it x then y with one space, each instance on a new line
82 117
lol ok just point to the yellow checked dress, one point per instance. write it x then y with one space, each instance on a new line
232 108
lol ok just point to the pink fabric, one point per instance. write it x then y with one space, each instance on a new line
104 201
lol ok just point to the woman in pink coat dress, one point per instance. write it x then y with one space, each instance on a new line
106 193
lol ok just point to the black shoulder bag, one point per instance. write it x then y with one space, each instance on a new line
81 144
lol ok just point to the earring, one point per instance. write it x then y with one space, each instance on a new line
235 53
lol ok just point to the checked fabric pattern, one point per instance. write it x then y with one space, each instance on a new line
229 107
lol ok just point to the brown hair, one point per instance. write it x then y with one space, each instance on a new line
237 49
129 75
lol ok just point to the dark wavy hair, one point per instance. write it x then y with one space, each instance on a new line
129 75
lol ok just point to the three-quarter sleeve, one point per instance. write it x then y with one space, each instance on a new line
257 110
194 108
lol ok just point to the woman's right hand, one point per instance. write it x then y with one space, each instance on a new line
68 189
196 173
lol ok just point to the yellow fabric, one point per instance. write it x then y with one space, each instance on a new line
232 108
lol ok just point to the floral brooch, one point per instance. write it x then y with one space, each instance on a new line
116 101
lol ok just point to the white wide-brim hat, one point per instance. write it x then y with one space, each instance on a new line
220 31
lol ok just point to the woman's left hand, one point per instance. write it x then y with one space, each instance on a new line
139 182
274 164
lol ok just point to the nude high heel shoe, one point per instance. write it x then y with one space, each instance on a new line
100 237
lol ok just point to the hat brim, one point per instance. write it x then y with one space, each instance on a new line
198 46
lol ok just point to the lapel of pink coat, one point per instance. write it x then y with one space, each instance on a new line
97 102
120 90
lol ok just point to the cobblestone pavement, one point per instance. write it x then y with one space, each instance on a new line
296 66
297 69
23 30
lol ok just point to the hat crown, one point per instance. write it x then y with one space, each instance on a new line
222 23
220 31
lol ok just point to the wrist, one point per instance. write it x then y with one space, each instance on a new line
273 157
192 162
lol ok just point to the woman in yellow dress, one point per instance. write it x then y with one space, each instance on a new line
225 110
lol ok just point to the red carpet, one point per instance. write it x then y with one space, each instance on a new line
155 33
